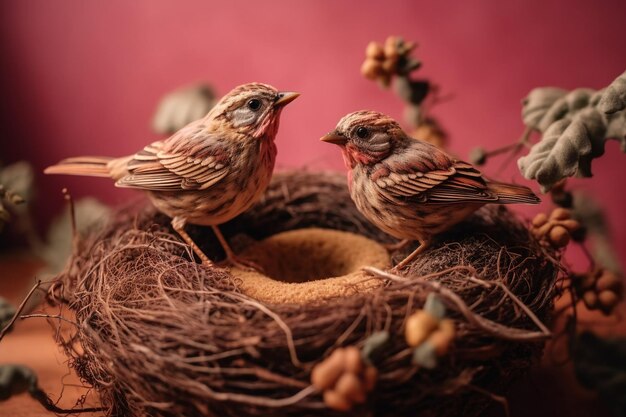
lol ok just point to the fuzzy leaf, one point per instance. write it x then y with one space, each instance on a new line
373 344
7 311
181 107
18 180
616 129
15 379
567 148
567 105
600 365
425 356
90 214
614 97
435 306
538 102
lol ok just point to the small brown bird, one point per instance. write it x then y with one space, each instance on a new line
209 171
411 189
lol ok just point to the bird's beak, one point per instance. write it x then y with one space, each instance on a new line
334 137
285 97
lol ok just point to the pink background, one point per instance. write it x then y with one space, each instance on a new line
81 77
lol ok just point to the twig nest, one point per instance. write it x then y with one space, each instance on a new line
157 334
554 230
308 265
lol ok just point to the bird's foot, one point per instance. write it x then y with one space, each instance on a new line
398 268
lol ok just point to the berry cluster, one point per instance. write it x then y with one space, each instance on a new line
382 62
599 289
429 335
554 230
344 378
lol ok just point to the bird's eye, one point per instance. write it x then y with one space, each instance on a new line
254 104
362 132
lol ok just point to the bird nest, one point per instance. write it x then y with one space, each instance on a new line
159 334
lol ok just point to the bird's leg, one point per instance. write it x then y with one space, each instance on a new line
231 258
392 247
178 223
423 245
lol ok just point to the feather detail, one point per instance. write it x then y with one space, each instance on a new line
513 194
92 166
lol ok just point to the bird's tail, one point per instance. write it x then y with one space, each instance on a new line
92 166
513 194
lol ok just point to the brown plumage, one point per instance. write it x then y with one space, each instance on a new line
209 171
409 188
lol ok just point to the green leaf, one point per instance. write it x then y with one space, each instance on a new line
600 365
7 311
538 102
373 345
435 306
15 379
425 355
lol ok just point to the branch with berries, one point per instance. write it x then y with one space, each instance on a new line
344 378
429 333
392 63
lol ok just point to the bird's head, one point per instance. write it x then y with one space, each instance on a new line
251 109
365 137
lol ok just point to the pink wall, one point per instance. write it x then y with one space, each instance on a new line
83 77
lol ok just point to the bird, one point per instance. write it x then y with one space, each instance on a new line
209 171
411 189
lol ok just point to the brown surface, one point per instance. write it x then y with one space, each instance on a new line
307 265
32 343
547 391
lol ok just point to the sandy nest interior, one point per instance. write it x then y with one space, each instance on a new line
310 265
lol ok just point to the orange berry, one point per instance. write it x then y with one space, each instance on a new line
418 327
326 373
570 224
371 69
560 213
540 219
351 388
608 299
559 236
608 280
391 47
375 50
336 401
352 360
590 299
441 341
389 65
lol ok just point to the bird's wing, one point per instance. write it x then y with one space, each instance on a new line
181 163
426 174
